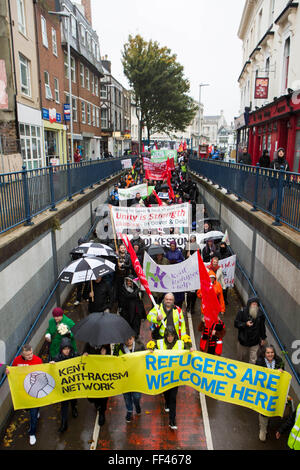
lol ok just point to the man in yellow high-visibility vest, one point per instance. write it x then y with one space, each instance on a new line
292 422
168 315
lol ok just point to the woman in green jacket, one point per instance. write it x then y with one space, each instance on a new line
59 327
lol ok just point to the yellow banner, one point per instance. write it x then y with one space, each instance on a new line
261 389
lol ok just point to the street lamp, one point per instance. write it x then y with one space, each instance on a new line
200 88
68 15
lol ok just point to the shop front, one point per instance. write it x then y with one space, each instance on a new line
275 126
54 134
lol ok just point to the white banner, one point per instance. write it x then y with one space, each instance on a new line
130 193
126 163
184 276
180 277
180 239
150 218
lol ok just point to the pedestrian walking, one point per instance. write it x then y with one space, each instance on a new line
99 403
27 358
66 352
267 357
264 161
100 295
131 399
250 322
169 316
211 341
170 341
131 306
279 163
293 425
59 326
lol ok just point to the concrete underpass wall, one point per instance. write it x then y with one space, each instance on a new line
270 256
31 259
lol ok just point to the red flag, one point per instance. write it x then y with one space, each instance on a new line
171 192
136 264
210 304
185 146
143 148
157 198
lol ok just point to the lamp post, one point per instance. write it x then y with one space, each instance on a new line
200 89
64 14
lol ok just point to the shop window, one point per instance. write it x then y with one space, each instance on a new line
30 138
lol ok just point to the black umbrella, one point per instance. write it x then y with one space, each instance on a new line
154 250
103 328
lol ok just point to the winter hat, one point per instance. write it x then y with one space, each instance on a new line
58 312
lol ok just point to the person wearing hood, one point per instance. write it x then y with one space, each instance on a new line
250 322
208 250
130 305
277 164
54 333
66 351
100 295
217 269
264 161
174 254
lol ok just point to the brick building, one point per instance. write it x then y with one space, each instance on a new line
51 71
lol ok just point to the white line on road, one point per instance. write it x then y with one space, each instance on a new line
95 434
207 430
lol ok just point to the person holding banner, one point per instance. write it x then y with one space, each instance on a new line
267 357
169 316
66 352
130 346
27 358
170 341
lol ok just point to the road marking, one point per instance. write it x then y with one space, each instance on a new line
207 430
95 434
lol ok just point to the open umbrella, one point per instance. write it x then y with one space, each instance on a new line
94 249
154 250
102 328
86 269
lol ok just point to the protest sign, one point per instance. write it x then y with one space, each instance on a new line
150 218
130 193
228 268
159 156
180 277
258 388
155 171
126 163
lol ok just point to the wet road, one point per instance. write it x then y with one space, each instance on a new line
202 423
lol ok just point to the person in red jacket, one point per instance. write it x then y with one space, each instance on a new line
27 358
212 337
218 290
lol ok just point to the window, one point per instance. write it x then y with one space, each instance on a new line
87 78
94 116
44 31
89 113
82 34
82 75
48 92
104 116
56 89
286 62
103 92
97 117
66 63
83 112
54 42
74 27
267 67
25 75
74 107
96 86
21 17
30 138
73 69
93 83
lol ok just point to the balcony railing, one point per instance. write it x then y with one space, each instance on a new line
274 192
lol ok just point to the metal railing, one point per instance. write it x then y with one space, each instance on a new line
274 192
27 193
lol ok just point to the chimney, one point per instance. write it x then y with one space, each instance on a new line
87 10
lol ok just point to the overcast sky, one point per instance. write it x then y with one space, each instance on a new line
202 33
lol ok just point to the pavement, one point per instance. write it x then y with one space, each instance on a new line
231 427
